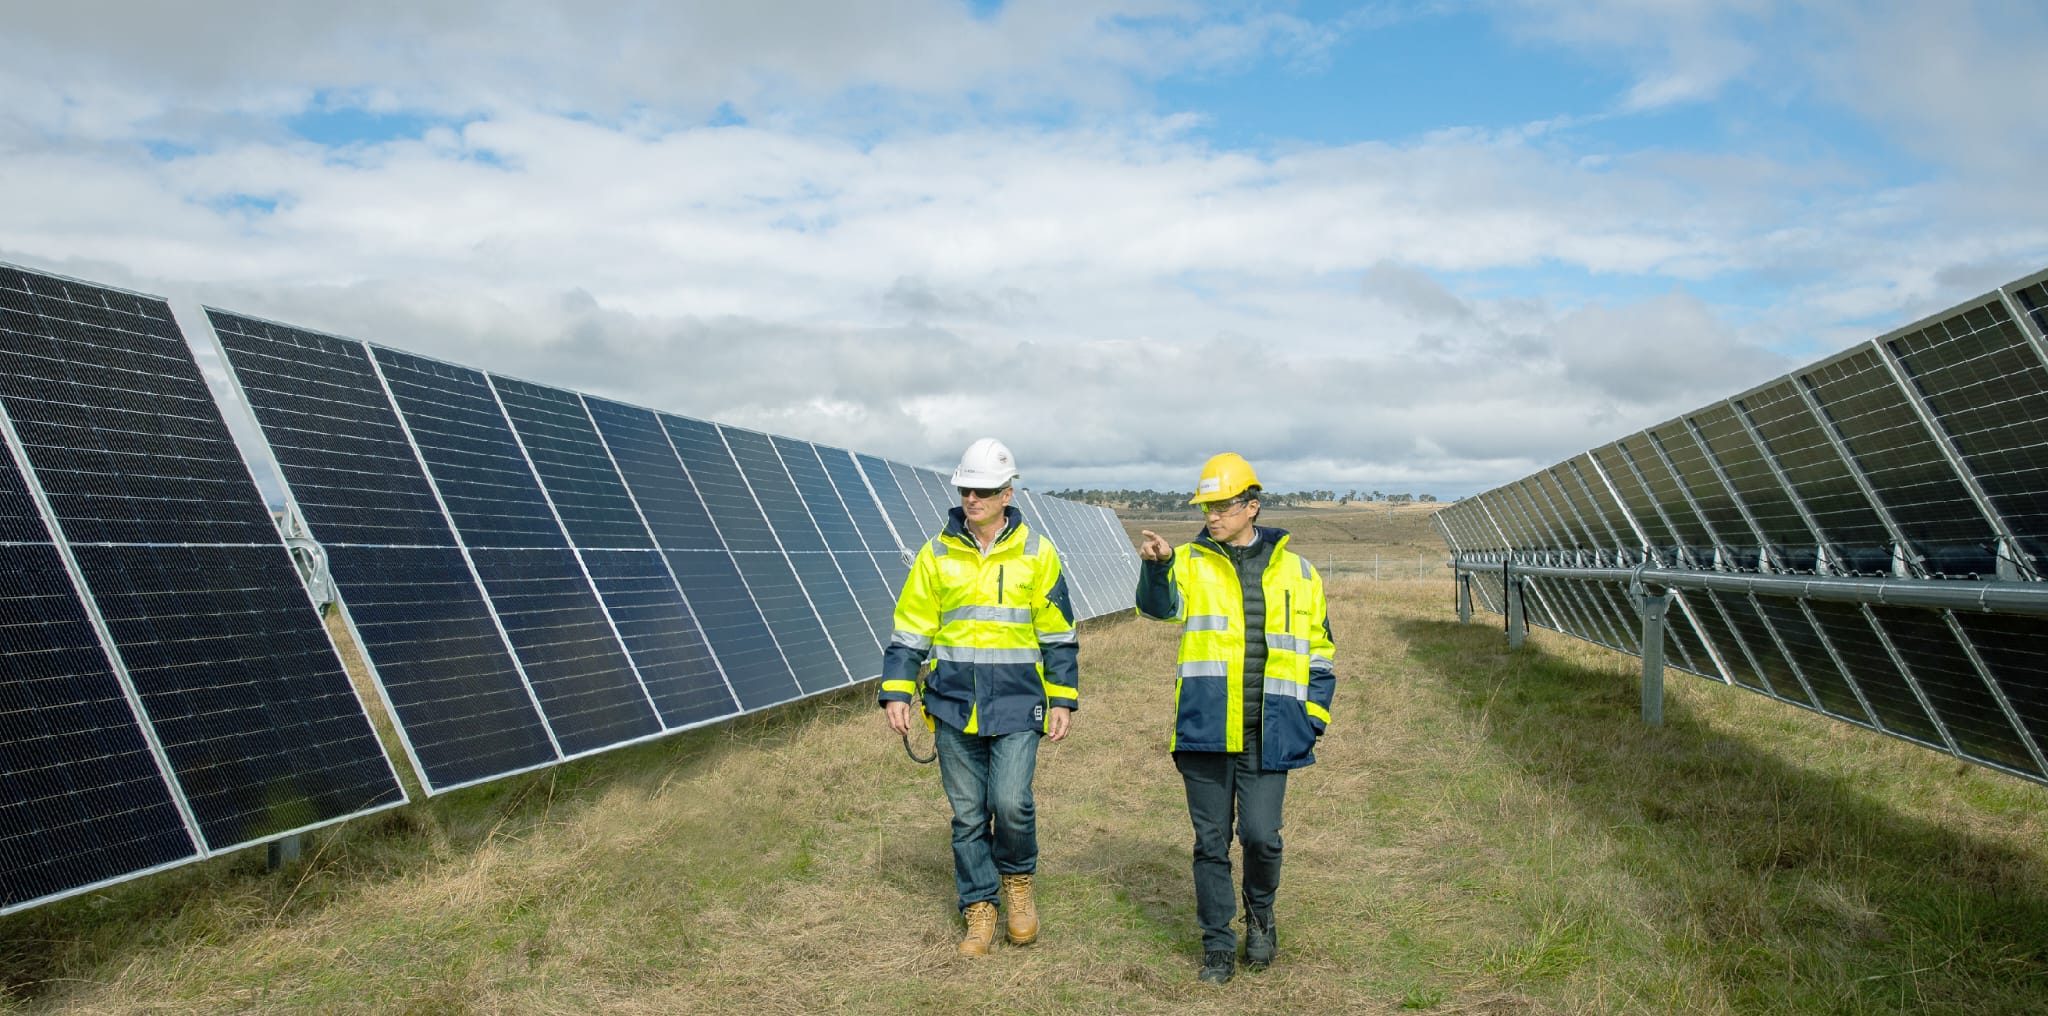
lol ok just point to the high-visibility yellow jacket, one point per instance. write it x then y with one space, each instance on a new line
1203 594
998 627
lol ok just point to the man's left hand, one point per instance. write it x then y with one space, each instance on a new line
1056 722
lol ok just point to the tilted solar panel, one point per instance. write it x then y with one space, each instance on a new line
789 518
865 507
910 528
725 608
463 707
633 581
792 621
874 596
1906 478
82 799
588 689
142 533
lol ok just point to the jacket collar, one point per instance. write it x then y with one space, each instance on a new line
956 526
1267 536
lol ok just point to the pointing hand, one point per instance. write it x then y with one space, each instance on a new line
1154 547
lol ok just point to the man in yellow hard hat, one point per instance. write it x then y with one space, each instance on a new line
986 601
1247 708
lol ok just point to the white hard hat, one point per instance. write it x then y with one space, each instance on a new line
986 463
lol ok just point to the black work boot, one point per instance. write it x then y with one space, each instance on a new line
1218 967
1261 940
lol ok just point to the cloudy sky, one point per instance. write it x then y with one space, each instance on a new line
1412 246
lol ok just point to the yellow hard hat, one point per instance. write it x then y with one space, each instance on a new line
1223 477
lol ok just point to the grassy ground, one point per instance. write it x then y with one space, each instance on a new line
1484 833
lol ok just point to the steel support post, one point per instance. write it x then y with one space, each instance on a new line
1652 607
1518 622
285 851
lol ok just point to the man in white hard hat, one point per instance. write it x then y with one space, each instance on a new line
986 603
1248 708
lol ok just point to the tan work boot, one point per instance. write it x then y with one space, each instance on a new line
1019 910
981 929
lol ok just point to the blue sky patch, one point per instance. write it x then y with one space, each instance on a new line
336 125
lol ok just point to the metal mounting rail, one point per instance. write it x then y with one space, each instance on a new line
1998 597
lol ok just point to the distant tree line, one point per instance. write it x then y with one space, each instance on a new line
1176 501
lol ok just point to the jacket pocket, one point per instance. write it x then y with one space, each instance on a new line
1289 732
1200 714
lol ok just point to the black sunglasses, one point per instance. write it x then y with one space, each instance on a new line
984 493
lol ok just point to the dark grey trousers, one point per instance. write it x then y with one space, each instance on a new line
1223 786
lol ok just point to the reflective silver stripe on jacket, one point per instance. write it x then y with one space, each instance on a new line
1204 668
1056 638
970 654
1008 615
1208 622
1286 689
1031 543
911 639
1304 566
1290 643
1322 663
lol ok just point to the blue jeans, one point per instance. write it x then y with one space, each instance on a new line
1222 786
995 830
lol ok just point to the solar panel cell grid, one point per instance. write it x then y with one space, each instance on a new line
874 596
476 465
755 663
1716 629
2013 651
332 431
1591 490
790 522
725 609
572 465
1673 502
1876 675
462 705
1945 673
1823 481
1684 645
675 663
1716 505
861 502
719 483
791 622
1802 642
2033 301
1765 504
1986 383
242 686
1750 628
229 663
1902 462
790 619
929 515
81 798
578 670
911 529
122 431
868 520
1635 501
654 477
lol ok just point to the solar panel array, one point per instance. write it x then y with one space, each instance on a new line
534 574
1865 537
538 574
167 688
